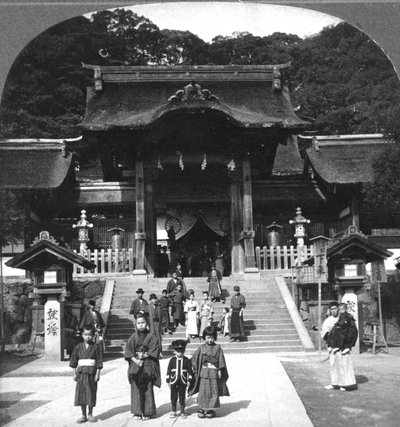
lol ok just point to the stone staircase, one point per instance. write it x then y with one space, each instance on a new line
268 324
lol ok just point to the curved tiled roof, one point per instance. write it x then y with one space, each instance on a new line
346 159
31 165
130 98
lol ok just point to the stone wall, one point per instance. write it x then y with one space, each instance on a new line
17 311
18 306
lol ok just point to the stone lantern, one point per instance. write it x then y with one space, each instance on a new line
83 231
50 267
299 226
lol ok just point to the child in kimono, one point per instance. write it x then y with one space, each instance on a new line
210 374
206 313
142 352
343 335
191 310
179 373
164 308
86 360
224 322
178 299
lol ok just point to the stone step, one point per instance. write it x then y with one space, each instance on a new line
112 339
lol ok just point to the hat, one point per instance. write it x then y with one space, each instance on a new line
236 288
333 304
140 291
205 292
164 290
153 296
92 302
179 344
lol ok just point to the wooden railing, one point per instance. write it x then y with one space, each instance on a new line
281 257
287 258
108 261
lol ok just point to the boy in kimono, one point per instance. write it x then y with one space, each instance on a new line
86 360
178 299
179 374
164 309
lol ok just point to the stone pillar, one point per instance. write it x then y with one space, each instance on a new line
248 232
52 328
151 227
140 235
237 254
350 298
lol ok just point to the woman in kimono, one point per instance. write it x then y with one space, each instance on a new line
192 313
87 361
210 374
142 352
214 285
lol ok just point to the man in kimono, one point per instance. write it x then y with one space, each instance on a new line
341 368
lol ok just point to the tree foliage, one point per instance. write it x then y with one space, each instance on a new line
11 218
340 80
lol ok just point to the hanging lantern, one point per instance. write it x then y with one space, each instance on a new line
204 162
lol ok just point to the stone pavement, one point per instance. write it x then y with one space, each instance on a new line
42 392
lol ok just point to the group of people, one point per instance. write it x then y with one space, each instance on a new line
205 373
198 264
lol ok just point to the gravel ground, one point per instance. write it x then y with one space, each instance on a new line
375 403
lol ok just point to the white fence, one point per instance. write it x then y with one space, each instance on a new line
108 261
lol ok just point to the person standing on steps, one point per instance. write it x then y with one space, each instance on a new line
191 310
165 303
214 285
92 319
154 319
139 305
238 304
206 314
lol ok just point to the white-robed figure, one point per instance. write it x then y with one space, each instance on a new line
342 372
191 310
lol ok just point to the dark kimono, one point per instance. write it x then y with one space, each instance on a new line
178 299
344 332
237 327
207 361
214 287
139 306
164 312
86 361
142 379
154 322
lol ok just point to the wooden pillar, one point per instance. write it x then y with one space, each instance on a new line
140 235
237 254
248 232
355 210
150 221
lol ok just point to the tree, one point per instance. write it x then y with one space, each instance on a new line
11 218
